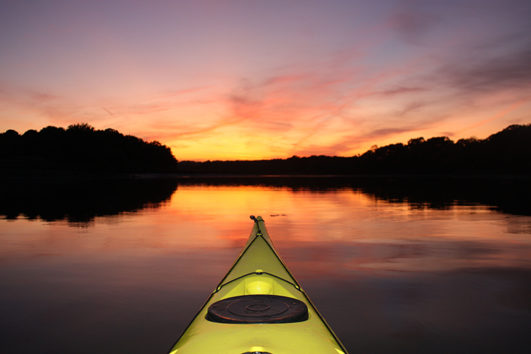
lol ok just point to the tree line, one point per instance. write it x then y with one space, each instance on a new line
80 147
508 151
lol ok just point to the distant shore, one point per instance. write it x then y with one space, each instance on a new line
82 151
76 176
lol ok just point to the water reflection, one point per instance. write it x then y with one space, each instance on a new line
80 201
506 194
389 274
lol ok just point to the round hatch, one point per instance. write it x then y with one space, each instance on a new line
258 309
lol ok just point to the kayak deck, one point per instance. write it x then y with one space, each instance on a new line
258 274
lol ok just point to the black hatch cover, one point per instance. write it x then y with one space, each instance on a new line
258 309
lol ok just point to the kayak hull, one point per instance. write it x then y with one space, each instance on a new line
258 271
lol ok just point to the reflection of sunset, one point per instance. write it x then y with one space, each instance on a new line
395 265
324 231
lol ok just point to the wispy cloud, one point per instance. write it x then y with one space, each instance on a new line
509 70
412 23
254 83
411 107
400 91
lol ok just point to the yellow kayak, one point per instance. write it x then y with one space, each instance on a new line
258 308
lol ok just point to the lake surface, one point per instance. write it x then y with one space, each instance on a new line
394 266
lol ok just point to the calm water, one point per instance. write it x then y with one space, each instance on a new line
122 267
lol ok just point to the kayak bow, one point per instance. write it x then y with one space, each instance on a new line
258 308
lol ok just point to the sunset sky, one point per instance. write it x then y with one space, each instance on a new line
264 79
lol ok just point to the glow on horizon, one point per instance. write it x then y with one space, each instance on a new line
256 80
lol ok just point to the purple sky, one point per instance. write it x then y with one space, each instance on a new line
262 79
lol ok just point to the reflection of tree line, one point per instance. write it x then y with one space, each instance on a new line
80 201
508 195
82 148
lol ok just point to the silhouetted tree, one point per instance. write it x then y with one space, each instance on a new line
82 148
505 152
